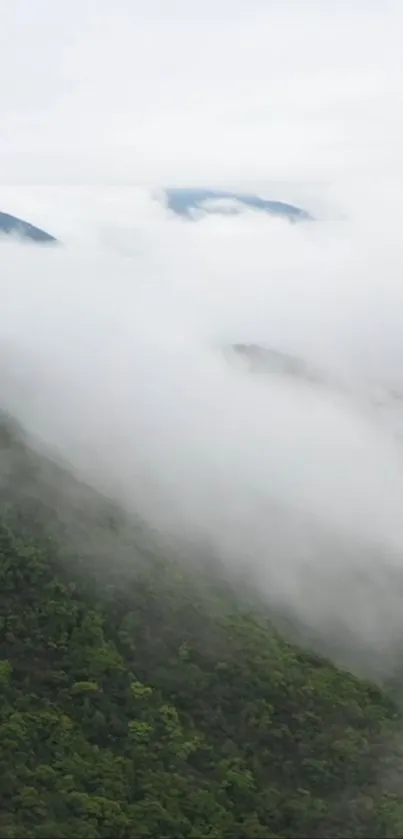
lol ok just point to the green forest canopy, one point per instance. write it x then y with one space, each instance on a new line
139 698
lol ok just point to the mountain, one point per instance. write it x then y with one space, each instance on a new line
188 201
260 359
10 225
143 697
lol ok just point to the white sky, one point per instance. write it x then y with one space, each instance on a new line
192 91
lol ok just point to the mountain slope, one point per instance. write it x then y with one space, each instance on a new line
140 698
10 225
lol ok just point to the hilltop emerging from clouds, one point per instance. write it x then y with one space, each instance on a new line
191 202
12 226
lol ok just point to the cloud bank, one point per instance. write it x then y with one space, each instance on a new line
112 346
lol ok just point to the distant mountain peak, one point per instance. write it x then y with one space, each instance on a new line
11 225
186 201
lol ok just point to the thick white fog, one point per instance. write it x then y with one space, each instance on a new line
112 346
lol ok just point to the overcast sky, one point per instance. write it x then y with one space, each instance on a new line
250 91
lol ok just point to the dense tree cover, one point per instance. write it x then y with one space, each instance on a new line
138 699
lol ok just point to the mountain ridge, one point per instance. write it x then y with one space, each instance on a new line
185 201
11 225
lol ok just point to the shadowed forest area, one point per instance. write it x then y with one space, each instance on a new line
142 697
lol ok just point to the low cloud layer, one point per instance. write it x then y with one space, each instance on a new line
112 347
112 358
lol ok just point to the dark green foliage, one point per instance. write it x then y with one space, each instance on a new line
154 705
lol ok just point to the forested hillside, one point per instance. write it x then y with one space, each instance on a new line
140 698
